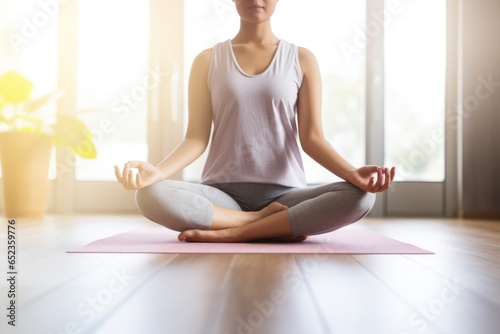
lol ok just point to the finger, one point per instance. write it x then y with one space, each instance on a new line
393 174
126 170
387 180
130 179
138 180
121 177
378 184
118 173
135 164
371 184
124 175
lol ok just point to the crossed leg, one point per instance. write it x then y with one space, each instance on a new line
274 226
314 210
205 214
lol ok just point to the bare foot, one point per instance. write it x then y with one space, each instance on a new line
227 218
269 210
209 236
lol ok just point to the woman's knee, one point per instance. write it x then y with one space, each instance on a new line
366 203
167 204
361 200
148 201
147 198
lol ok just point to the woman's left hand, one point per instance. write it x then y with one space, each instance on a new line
373 178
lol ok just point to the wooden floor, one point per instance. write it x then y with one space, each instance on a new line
457 290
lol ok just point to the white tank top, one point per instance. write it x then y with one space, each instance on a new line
255 131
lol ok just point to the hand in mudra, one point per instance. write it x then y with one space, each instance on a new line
146 175
374 178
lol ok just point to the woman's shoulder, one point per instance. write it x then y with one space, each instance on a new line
306 54
202 60
307 59
205 55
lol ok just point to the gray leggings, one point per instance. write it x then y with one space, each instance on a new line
181 206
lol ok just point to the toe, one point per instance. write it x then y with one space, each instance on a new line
183 236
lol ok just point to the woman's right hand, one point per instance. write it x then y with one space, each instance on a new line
147 174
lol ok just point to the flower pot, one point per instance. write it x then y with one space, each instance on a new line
25 159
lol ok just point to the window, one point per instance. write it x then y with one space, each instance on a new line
113 77
415 46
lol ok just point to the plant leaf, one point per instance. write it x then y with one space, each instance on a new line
14 88
74 134
36 104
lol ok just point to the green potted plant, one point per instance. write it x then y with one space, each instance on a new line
27 134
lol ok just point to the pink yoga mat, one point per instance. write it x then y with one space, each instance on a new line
161 240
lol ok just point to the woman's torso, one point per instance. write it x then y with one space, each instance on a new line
255 131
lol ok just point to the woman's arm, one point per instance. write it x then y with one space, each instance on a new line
199 122
195 141
313 141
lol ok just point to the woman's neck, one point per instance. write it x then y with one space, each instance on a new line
255 33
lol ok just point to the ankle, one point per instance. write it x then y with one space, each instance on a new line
235 235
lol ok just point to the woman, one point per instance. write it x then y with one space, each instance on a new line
261 93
